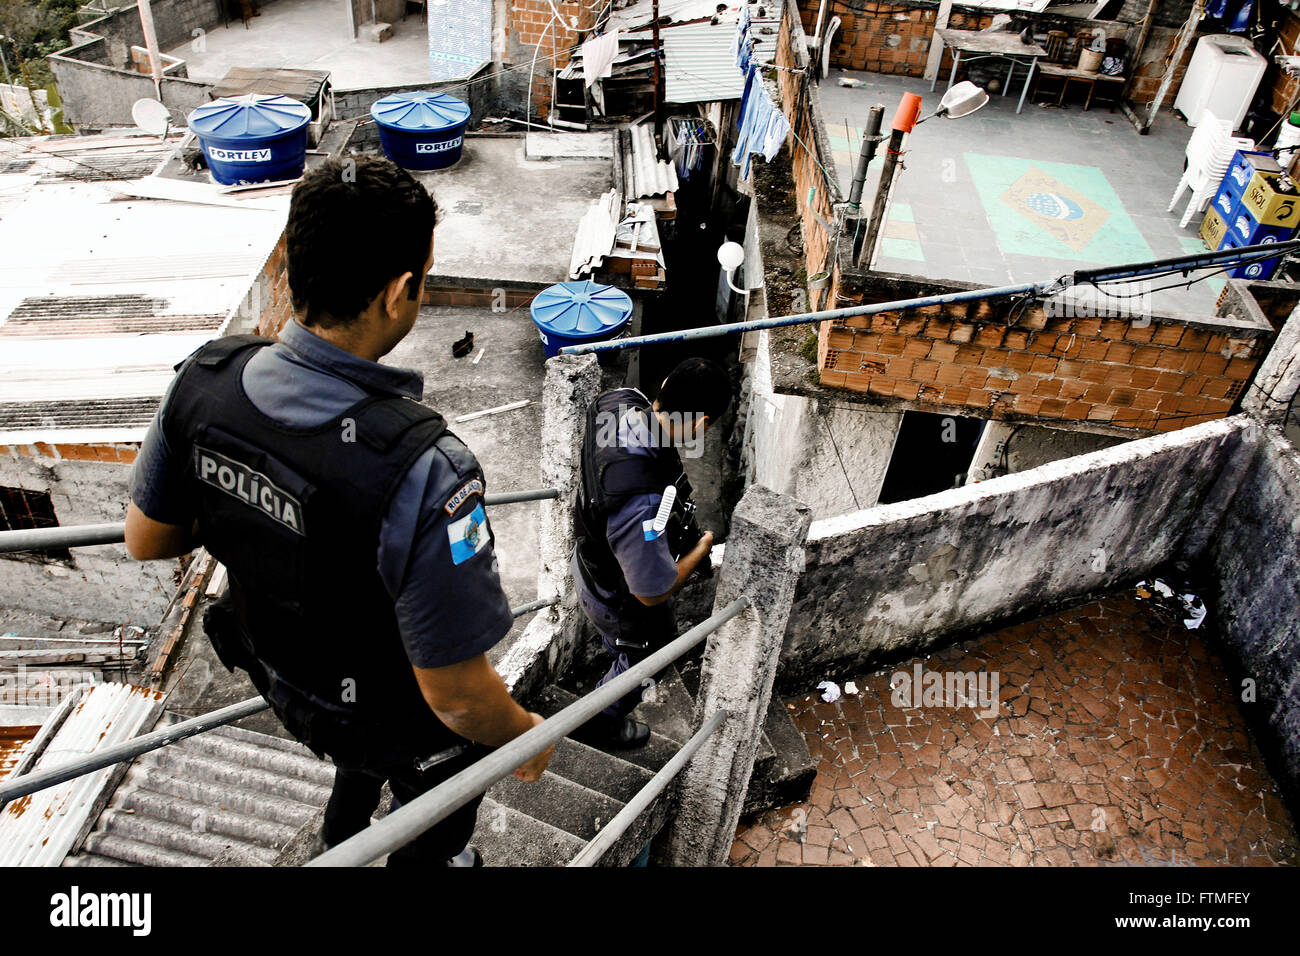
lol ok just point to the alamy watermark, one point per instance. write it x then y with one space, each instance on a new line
952 689
41 688
683 430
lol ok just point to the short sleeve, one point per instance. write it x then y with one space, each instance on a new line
157 482
648 566
436 558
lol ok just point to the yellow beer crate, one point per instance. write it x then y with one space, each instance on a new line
1267 206
1213 229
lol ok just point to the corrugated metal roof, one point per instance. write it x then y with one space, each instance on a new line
641 12
119 155
187 803
595 235
101 296
700 63
651 176
42 828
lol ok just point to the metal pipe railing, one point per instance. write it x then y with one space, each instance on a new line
84 535
609 834
408 822
1223 258
129 749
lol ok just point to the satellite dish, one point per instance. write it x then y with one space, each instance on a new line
151 116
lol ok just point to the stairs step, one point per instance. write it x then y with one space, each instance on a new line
596 770
508 837
563 804
787 776
658 751
668 707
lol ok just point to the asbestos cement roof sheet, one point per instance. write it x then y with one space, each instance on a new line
101 295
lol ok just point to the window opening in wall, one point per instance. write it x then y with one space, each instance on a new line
22 509
931 454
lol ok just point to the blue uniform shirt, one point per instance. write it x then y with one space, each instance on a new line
647 565
446 592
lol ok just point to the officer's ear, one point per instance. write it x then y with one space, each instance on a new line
395 292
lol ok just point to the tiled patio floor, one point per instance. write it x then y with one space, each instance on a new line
999 197
1116 741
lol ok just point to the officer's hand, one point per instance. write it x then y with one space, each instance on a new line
532 771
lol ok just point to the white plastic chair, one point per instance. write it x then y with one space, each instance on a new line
1209 153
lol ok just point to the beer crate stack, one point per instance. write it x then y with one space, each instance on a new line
1255 203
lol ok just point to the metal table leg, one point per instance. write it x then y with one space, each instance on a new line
1028 76
1011 71
956 62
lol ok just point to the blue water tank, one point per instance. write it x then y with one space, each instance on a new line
571 313
421 130
255 138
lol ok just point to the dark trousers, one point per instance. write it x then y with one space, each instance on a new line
629 635
356 795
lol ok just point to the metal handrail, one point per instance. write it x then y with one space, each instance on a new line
412 819
1223 258
85 535
129 749
609 834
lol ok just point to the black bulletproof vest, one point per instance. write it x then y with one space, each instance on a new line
611 474
294 514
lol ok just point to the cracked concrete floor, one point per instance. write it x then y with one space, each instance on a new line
1116 741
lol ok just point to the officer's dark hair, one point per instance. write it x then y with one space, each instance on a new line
697 386
354 225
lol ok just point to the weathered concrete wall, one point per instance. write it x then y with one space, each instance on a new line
1006 449
890 581
830 457
95 94
546 647
764 557
1254 556
103 583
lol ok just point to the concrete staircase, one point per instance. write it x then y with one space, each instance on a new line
235 797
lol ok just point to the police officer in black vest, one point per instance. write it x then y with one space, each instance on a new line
637 537
363 585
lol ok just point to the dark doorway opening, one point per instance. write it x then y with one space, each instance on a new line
931 454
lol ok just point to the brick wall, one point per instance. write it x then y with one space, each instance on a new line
810 151
271 293
530 24
123 454
1150 69
1153 373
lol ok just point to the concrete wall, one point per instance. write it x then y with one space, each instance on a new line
104 583
96 94
1006 449
833 458
890 581
1254 556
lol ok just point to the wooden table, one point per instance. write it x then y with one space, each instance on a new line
978 45
1067 76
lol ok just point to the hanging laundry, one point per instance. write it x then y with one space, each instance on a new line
598 57
763 127
778 128
743 45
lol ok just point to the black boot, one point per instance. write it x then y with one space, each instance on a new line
612 733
